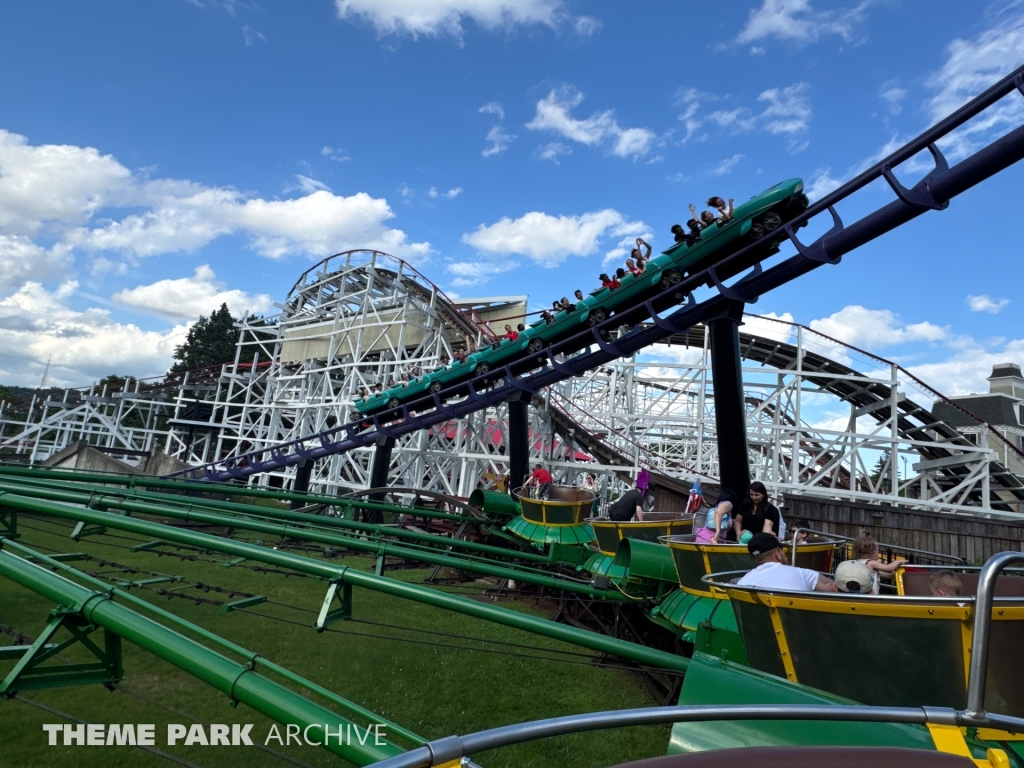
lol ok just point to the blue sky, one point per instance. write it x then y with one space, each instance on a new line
159 158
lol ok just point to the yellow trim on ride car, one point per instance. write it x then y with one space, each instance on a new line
780 635
544 504
950 739
863 605
633 525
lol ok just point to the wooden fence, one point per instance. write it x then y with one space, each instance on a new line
973 538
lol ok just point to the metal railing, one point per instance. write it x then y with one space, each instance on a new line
882 546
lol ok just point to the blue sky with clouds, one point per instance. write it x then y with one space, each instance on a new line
159 158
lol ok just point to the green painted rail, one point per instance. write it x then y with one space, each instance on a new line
249 656
431 539
236 680
345 575
227 489
285 530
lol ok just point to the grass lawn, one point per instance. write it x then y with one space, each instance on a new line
410 672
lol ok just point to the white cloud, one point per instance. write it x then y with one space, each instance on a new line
587 26
54 183
332 153
690 101
726 166
307 184
553 151
985 303
56 199
252 36
633 142
739 120
450 194
64 190
318 224
493 108
446 17
549 240
966 371
797 20
498 140
971 66
820 183
21 260
101 265
84 346
553 114
893 95
469 273
770 326
874 328
230 7
787 112
189 297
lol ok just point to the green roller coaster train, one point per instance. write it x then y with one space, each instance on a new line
757 218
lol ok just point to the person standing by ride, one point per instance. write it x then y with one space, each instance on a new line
756 514
718 522
540 479
590 484
629 506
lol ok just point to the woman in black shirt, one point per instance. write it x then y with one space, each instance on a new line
756 514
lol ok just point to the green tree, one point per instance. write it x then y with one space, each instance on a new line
210 341
114 382
876 473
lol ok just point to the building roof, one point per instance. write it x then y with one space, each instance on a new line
998 409
1006 370
487 300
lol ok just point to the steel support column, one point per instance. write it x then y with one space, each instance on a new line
727 384
379 475
518 443
303 471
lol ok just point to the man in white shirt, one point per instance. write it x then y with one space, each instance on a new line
773 570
